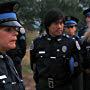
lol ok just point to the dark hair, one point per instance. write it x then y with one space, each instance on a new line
51 16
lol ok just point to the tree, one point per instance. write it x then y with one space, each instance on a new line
32 12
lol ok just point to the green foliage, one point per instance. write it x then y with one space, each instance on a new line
30 36
26 68
32 10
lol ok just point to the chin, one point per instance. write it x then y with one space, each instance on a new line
12 47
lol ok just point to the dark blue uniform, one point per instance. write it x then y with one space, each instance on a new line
86 63
77 82
50 58
86 51
9 78
18 53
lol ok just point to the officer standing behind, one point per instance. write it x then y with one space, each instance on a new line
86 51
50 55
71 29
9 26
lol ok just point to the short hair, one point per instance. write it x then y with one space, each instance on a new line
53 15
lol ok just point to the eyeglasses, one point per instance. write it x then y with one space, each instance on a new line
71 26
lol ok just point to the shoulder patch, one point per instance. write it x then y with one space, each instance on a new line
78 45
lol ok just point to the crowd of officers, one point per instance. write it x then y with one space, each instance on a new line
59 59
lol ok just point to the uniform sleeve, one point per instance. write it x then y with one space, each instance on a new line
77 58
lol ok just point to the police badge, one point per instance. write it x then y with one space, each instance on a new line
64 49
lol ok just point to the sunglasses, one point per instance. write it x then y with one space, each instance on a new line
71 26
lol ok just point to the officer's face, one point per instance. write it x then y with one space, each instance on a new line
8 37
56 28
71 30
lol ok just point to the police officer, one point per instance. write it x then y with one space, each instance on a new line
18 53
71 29
9 27
87 25
50 55
86 51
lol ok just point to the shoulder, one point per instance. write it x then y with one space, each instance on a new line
39 38
66 37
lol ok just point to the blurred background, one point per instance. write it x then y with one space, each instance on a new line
31 14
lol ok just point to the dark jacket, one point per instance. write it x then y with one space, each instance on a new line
9 79
86 50
18 53
50 58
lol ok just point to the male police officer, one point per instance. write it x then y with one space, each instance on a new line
50 55
18 53
9 26
86 51
71 29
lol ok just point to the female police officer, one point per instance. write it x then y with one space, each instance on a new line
50 55
9 79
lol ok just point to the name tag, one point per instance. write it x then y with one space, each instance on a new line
53 57
41 52
3 77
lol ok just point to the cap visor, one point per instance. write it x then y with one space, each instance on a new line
11 24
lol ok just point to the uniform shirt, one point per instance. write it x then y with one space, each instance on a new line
86 53
9 79
50 57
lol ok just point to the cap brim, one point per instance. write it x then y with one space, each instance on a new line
11 24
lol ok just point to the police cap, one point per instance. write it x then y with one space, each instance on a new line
8 14
71 21
86 12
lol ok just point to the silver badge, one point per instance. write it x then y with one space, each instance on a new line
75 64
78 46
64 48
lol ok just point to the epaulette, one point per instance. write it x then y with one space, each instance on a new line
66 35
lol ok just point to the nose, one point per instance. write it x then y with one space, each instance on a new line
59 25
